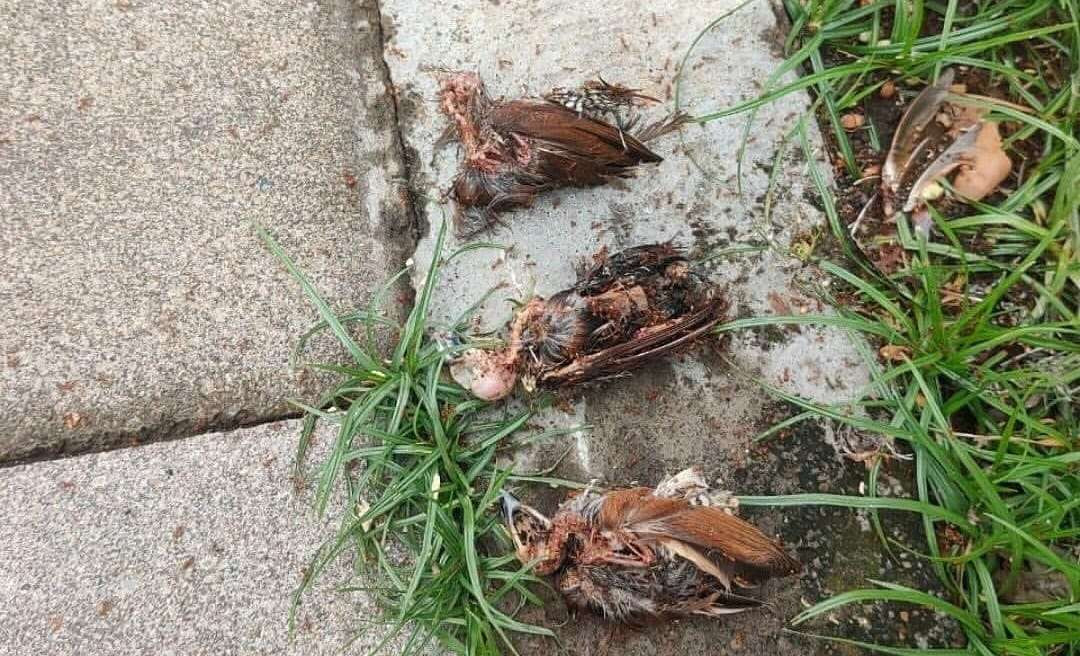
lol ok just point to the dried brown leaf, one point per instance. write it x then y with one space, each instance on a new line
895 353
989 168
778 304
890 258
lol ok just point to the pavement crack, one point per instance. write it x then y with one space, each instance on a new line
410 191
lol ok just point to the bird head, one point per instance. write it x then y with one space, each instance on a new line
473 188
531 533
488 375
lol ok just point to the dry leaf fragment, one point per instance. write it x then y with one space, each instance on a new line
977 152
1052 442
778 304
989 168
953 293
362 507
895 352
888 90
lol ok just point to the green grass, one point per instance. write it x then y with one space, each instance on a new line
415 455
987 399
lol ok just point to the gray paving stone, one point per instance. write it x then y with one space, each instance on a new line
700 408
185 547
138 142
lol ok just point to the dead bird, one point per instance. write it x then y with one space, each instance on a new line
639 554
626 308
516 149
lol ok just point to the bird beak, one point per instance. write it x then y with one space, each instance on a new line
510 503
447 341
511 507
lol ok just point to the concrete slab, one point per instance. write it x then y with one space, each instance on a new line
705 407
184 547
138 142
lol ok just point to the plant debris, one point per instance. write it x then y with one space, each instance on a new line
983 166
908 140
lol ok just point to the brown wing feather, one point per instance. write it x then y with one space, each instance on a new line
707 528
712 528
562 168
637 262
578 136
650 343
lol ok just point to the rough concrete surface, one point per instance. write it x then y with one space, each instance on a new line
183 547
138 143
699 408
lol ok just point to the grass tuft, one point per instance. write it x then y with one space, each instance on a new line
979 378
415 456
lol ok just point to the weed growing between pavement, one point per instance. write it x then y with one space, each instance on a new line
416 457
976 342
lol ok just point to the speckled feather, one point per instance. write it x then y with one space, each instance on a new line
598 99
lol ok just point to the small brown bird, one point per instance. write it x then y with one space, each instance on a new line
638 554
626 309
516 149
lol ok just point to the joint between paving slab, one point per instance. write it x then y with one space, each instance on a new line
414 215
118 440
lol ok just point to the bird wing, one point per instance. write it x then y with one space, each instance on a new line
647 344
578 138
741 550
